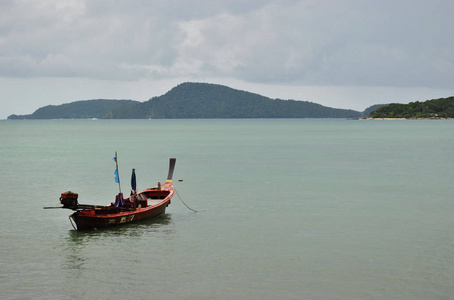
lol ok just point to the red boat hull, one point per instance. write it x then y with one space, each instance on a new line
153 203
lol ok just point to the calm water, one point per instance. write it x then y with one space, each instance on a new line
288 209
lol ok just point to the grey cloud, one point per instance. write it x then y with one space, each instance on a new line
391 43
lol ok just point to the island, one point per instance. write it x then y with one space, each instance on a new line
442 108
192 101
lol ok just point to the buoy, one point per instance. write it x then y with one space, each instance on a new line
180 179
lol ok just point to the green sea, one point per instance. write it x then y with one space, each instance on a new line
286 209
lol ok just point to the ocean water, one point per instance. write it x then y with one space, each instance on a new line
286 209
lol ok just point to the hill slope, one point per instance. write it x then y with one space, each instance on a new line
203 100
86 109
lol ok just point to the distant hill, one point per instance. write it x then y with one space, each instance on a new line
190 101
203 100
435 108
87 109
372 108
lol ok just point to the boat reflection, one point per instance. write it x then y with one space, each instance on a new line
159 224
85 248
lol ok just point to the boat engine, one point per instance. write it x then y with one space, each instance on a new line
69 200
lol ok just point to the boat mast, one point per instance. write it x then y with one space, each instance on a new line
117 174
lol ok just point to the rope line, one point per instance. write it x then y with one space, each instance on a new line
183 201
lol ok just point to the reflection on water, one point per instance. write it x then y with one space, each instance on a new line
157 224
84 247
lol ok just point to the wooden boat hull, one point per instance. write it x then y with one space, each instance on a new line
153 203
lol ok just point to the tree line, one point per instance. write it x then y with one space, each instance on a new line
435 108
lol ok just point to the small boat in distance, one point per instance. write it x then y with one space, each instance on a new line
138 206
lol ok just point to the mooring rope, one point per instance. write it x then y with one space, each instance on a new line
183 201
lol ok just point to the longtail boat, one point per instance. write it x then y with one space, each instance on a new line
138 206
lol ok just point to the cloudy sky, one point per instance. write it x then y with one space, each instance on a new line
345 54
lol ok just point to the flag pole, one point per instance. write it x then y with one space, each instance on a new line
117 178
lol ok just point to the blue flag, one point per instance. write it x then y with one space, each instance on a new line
117 179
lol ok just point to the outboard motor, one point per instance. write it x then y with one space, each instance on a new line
69 200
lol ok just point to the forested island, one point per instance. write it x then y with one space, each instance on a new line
442 108
192 101
210 101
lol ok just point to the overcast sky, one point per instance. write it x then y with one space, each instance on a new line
345 54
